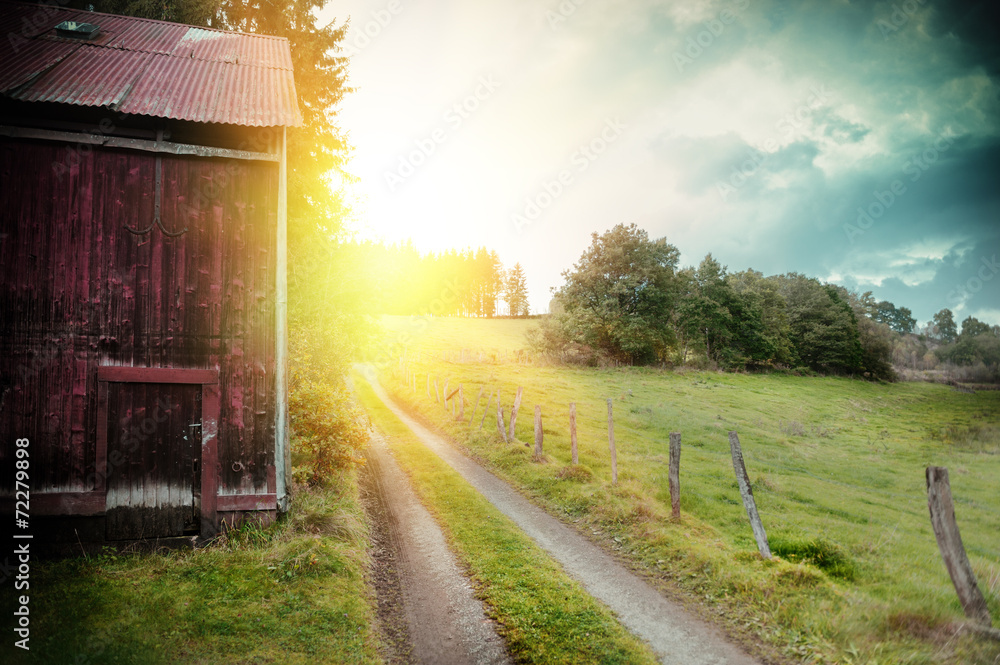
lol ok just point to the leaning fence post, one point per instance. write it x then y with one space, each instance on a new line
950 543
513 411
538 433
611 443
572 433
476 405
444 393
747 493
461 403
503 431
486 409
675 475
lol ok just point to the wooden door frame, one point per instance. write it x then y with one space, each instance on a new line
209 381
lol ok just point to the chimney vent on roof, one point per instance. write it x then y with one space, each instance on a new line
75 30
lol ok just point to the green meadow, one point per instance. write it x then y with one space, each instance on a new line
837 468
293 592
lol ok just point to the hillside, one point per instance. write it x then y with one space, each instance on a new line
837 467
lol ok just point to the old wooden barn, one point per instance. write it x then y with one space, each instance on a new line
142 239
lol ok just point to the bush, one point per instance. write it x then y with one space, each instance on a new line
328 430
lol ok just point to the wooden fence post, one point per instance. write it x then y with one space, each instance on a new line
611 443
572 433
675 475
476 405
747 493
461 403
486 410
538 433
513 412
950 543
500 426
444 394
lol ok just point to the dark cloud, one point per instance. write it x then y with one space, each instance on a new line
975 24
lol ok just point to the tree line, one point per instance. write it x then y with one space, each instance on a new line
628 301
468 282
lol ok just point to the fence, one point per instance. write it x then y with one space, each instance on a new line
940 502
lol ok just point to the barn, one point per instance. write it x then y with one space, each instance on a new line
143 301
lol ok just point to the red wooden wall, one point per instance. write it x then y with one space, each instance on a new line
80 291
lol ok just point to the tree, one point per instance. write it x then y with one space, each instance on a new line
973 327
824 330
776 346
190 12
944 321
619 297
516 291
727 322
899 319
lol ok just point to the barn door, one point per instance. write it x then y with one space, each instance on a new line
153 460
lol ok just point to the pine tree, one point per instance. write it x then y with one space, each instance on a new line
516 291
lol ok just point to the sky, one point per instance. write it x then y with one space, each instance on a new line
855 142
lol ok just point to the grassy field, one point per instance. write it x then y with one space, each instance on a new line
838 472
291 593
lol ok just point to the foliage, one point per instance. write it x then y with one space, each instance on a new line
626 302
970 350
972 327
897 318
328 430
945 328
728 321
401 280
516 291
823 326
619 298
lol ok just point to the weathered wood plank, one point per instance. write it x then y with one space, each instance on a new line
231 502
157 375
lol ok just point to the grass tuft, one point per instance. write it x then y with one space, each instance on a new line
819 552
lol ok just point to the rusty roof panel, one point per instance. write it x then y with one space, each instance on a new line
90 76
142 35
30 59
236 48
146 67
206 91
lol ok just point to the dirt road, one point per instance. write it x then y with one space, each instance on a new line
444 623
674 634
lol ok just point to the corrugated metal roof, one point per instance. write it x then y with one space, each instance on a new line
145 67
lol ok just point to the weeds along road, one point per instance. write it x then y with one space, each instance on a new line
675 635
